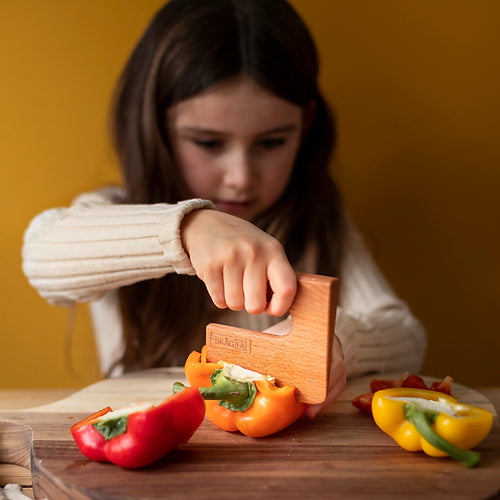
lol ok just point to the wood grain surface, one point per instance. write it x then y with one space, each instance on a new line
340 454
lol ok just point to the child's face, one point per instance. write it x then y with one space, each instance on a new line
236 145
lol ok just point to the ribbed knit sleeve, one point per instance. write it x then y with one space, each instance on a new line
76 254
377 330
97 245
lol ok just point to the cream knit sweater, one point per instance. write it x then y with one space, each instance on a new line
85 252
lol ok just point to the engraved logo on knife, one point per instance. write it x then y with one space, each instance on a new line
217 340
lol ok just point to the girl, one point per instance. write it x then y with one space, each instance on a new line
224 142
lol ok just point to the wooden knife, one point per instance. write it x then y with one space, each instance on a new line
301 357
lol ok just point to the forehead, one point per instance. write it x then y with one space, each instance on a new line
235 105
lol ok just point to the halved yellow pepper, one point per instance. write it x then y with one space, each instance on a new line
436 423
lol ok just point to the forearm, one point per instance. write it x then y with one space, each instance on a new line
76 254
377 330
386 340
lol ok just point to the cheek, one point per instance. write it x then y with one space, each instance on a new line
276 176
198 176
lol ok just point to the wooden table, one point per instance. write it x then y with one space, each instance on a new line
340 454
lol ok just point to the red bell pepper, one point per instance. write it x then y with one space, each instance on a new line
364 401
139 435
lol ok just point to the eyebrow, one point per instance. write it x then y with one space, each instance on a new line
208 131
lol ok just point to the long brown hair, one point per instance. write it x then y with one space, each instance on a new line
189 46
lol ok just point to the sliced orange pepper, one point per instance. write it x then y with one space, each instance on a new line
273 408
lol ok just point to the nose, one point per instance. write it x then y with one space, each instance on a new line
239 170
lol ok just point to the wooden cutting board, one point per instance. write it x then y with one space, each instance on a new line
340 454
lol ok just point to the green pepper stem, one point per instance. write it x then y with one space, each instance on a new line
226 392
232 394
422 420
178 387
112 427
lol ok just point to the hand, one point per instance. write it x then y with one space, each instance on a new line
239 263
337 380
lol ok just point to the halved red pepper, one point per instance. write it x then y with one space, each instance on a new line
364 401
139 435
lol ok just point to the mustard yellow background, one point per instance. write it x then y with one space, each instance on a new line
415 86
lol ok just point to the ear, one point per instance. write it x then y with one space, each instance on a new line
308 116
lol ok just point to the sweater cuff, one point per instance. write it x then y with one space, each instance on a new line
169 235
395 342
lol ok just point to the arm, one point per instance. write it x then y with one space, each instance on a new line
374 330
76 254
377 331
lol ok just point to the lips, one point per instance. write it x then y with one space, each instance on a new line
234 206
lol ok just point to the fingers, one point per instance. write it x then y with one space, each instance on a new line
255 289
215 286
246 287
238 263
337 381
283 287
239 287
333 393
233 287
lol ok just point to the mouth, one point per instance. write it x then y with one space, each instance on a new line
234 206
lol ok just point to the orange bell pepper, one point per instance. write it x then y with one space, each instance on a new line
259 410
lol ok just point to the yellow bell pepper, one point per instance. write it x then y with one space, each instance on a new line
436 423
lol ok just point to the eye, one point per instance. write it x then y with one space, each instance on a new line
208 144
271 142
